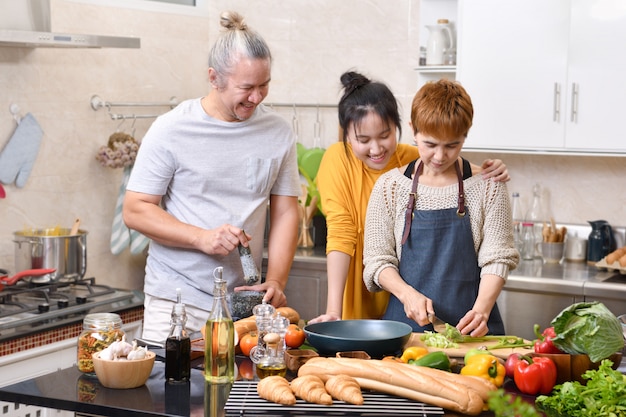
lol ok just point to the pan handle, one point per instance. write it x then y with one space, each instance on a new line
27 273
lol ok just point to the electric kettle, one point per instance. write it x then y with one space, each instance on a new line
601 241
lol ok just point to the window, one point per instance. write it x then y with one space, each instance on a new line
190 7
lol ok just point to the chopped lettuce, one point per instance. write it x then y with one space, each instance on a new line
588 328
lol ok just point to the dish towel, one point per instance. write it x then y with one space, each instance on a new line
19 154
121 236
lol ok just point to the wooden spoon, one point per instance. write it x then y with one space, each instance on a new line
75 227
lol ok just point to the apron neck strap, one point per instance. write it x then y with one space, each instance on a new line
408 217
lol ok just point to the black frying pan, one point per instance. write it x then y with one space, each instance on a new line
376 337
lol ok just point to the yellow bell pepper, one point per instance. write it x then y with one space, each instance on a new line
487 367
412 353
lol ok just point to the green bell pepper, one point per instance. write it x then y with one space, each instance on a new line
437 360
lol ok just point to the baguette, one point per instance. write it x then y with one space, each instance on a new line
275 388
432 386
311 389
482 386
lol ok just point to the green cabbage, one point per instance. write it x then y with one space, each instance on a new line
588 328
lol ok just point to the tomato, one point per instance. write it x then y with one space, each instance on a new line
294 338
247 342
246 369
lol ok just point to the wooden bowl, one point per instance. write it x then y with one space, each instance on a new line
122 373
356 354
572 367
295 358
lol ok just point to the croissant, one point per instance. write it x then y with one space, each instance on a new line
345 388
311 389
276 388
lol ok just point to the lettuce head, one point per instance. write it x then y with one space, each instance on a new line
588 328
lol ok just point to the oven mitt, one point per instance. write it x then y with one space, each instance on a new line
121 236
19 154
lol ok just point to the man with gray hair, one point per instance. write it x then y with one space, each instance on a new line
204 173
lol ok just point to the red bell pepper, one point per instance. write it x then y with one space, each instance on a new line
543 343
535 375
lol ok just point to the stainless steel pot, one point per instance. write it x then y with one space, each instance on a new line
66 253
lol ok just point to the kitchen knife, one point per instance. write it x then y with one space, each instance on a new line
438 324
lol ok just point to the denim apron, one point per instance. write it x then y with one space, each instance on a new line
439 261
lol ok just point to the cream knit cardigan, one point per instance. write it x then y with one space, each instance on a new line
488 206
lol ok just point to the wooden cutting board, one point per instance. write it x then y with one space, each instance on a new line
463 348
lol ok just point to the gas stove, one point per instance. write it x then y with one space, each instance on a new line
27 308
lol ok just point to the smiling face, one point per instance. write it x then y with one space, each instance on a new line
235 97
373 140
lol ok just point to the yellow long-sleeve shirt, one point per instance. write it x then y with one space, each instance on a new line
345 184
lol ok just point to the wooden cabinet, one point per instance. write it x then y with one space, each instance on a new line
543 76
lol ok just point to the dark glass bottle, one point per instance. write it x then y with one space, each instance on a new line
178 345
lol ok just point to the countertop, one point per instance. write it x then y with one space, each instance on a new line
576 275
69 389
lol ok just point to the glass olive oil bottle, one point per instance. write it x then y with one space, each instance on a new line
219 355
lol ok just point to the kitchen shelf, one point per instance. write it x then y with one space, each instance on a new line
437 69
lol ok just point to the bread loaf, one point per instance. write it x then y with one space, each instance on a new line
431 386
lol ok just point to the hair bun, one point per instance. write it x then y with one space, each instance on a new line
352 80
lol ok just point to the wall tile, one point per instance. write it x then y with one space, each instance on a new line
313 42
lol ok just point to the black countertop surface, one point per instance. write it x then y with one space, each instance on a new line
69 389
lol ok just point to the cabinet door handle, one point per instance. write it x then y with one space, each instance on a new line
574 114
557 103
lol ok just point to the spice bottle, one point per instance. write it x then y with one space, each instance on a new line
422 57
536 216
178 344
99 331
219 355
528 241
516 212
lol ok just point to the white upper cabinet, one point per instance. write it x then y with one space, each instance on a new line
544 75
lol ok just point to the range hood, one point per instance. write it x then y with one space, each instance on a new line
26 24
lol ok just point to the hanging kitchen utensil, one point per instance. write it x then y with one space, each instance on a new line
6 281
312 158
300 148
